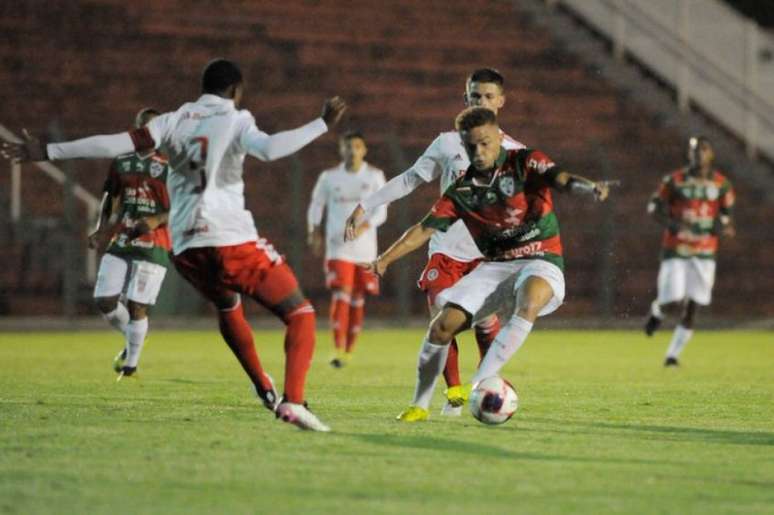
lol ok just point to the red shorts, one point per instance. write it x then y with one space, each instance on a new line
254 269
347 275
442 272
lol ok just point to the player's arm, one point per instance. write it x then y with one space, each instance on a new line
314 215
411 240
148 223
440 218
109 213
658 207
725 213
375 217
577 184
275 146
426 169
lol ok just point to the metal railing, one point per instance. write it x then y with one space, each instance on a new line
77 191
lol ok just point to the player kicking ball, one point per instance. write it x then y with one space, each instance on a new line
133 225
451 254
215 242
337 192
504 199
694 205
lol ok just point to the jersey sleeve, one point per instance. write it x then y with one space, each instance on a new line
378 216
314 213
443 214
426 169
538 163
275 146
93 147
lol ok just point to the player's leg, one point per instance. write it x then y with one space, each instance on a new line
486 331
201 268
699 280
145 280
432 358
107 290
340 279
671 286
539 290
365 283
440 273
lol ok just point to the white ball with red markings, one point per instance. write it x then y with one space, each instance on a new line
493 401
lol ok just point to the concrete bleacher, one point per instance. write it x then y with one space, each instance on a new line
402 67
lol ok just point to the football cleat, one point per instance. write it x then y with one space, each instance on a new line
126 372
118 361
671 362
413 414
300 416
458 395
651 325
337 363
269 398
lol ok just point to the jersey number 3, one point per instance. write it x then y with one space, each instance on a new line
197 153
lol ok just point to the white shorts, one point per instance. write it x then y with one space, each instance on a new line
491 287
142 285
686 278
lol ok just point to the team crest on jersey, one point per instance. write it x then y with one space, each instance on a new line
432 274
156 169
712 192
507 186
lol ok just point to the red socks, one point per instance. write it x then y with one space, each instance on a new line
486 331
299 347
340 318
356 315
239 337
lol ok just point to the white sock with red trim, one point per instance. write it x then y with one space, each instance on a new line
432 359
135 339
118 318
510 338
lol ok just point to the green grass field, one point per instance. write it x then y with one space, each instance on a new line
602 428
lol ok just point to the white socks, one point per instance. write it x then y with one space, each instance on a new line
507 342
679 339
118 318
432 359
135 338
655 310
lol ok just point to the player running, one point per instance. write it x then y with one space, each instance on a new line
215 243
694 205
504 200
133 224
452 254
337 192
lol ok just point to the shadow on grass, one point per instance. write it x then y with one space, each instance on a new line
671 432
447 445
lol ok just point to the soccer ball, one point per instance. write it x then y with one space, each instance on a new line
493 401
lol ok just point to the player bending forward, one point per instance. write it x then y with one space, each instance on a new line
694 205
504 199
452 254
337 192
215 243
133 219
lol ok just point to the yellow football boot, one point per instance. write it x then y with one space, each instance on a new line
413 414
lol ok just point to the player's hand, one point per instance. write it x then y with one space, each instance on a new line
29 149
98 240
601 190
141 227
315 242
376 266
729 231
352 223
332 110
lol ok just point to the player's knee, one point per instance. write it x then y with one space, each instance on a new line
106 304
447 324
529 309
137 311
294 306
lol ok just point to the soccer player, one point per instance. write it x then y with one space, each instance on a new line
504 199
694 205
214 240
452 254
337 192
133 219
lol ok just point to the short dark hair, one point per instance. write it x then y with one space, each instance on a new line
487 75
219 74
351 134
473 117
143 116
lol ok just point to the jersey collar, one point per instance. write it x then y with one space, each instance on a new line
498 169
209 99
